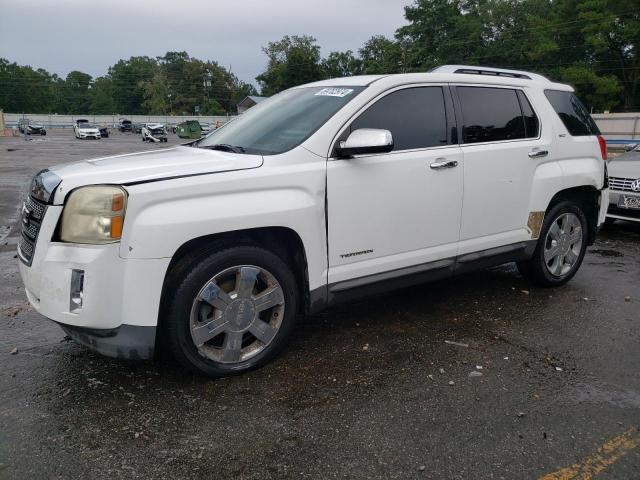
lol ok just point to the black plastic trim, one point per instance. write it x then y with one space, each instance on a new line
130 342
352 289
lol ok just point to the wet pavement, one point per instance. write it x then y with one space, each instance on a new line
368 390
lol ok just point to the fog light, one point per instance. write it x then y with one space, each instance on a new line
75 292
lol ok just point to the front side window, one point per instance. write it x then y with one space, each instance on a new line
573 113
490 114
281 122
415 117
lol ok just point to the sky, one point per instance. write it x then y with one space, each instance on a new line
65 35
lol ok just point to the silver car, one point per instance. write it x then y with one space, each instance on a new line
624 186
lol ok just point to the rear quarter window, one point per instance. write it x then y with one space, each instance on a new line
572 112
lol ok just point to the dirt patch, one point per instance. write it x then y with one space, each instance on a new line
604 252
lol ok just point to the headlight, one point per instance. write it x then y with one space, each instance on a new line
94 214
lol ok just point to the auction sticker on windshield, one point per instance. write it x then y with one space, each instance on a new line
335 92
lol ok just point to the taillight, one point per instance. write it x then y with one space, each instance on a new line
603 146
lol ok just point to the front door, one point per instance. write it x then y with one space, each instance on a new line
388 212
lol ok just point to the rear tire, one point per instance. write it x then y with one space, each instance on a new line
231 311
561 247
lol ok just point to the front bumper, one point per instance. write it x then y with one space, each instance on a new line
120 297
129 342
621 213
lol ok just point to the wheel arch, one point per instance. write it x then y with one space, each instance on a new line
588 197
282 241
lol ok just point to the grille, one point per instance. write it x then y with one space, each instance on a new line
621 183
32 215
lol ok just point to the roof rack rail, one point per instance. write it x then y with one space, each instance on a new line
497 72
477 71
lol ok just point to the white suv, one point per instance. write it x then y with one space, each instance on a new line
320 194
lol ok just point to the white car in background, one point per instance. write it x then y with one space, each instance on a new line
624 187
205 129
83 129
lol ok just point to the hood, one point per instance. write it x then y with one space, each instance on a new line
149 166
154 125
87 129
626 166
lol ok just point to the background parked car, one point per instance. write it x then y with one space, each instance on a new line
104 131
83 129
124 125
136 127
624 187
205 129
31 128
154 132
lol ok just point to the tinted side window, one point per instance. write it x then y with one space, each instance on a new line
572 112
531 122
490 114
415 117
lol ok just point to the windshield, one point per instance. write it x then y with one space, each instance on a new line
283 121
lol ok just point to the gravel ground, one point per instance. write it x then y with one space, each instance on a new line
535 381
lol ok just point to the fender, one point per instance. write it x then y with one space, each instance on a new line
553 177
163 216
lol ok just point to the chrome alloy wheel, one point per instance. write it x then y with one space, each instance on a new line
563 244
237 314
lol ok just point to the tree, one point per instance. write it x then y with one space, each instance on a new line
129 77
291 61
341 64
76 92
611 29
442 31
381 55
101 97
23 89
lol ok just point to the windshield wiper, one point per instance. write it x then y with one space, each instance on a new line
225 147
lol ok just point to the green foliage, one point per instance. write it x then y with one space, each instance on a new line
129 77
24 89
591 44
381 55
291 61
174 83
101 97
341 64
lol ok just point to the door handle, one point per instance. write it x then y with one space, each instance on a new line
443 163
538 153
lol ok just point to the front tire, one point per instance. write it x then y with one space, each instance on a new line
231 311
561 247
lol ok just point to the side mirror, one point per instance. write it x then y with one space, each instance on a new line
365 141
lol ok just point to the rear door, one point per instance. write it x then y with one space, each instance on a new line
502 148
390 211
